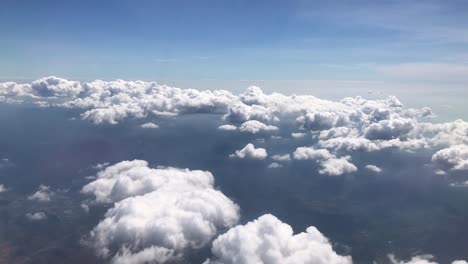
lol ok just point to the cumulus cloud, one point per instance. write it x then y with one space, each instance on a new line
227 127
373 168
274 165
43 194
250 152
422 259
309 153
298 135
149 125
157 214
38 216
350 144
285 157
452 158
351 124
254 126
390 129
330 163
268 240
322 120
337 166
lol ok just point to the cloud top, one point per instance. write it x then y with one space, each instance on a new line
157 214
268 240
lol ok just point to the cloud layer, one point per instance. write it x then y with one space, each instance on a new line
349 125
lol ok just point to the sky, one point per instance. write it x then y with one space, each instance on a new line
192 43
315 132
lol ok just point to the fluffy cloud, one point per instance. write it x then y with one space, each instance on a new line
309 153
337 166
254 126
351 124
350 144
373 168
38 216
423 259
250 152
285 157
390 129
322 120
331 164
227 127
157 214
274 165
268 240
43 194
149 125
452 158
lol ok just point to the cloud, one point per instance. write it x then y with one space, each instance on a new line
254 126
322 120
349 144
3 188
38 216
390 129
309 153
330 163
422 259
157 214
149 125
351 124
373 168
274 165
43 194
250 152
227 127
285 157
298 135
337 166
452 158
268 240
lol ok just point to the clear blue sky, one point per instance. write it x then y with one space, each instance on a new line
369 41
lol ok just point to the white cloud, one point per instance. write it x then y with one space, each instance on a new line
337 166
349 144
285 157
227 127
3 188
330 163
101 166
43 194
422 259
298 135
157 214
351 124
149 125
250 152
322 120
254 126
309 153
390 129
267 240
274 165
38 216
452 158
373 168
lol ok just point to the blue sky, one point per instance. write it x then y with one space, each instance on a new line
404 42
